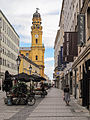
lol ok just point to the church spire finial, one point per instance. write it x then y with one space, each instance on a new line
37 9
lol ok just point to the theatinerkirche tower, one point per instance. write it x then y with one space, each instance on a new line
37 48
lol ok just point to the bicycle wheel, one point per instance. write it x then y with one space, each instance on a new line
31 101
42 95
5 100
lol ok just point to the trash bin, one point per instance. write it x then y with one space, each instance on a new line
9 100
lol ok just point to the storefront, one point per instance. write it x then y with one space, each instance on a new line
81 78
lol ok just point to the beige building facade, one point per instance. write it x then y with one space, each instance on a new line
81 65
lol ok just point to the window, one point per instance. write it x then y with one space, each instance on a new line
36 41
67 48
35 71
34 26
27 54
36 57
80 72
0 22
3 24
0 37
3 62
0 61
3 50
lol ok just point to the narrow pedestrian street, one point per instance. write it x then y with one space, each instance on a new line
52 107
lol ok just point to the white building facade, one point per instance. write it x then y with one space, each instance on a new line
9 47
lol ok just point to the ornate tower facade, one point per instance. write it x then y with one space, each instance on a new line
37 48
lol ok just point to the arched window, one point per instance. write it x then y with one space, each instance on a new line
36 57
36 41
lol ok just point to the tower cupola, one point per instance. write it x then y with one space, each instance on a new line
36 14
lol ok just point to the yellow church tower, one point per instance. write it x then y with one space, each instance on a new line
37 48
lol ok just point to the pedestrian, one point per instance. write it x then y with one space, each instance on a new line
42 87
67 95
7 84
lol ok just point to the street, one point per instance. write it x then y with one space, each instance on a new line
52 107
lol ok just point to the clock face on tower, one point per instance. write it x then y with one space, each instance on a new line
36 36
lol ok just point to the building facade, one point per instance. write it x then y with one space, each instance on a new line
9 47
58 51
36 52
81 65
76 19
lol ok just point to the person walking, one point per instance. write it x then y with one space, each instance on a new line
67 95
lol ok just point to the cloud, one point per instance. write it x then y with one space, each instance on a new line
49 68
20 13
49 59
56 12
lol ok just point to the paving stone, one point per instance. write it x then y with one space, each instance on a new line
57 118
52 107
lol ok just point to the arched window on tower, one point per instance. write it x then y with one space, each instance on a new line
36 41
36 57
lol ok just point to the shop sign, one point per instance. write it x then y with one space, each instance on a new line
81 29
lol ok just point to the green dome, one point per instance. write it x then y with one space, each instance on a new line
36 14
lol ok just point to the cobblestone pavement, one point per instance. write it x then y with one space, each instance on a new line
7 111
19 112
52 107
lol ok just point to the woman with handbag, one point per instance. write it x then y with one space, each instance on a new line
67 95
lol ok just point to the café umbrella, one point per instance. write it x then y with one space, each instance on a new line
37 78
23 77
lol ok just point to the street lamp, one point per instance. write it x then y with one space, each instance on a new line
30 69
18 60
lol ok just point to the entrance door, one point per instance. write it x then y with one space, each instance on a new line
88 89
86 85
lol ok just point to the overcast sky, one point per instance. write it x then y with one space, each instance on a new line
20 13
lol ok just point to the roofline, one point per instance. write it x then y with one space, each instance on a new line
24 49
9 23
56 37
61 12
